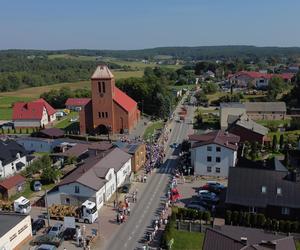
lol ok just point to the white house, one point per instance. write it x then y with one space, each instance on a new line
213 153
37 113
12 158
15 230
95 180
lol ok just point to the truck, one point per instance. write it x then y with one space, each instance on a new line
22 205
86 213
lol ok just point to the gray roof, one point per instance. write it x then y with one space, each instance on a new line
9 150
265 106
242 190
232 105
229 238
9 221
230 109
92 172
130 148
247 123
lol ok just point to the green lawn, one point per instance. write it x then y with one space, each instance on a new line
6 103
274 123
187 240
298 245
5 113
151 128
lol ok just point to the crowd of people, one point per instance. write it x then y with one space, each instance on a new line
123 208
155 156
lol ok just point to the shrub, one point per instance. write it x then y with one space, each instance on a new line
275 225
287 226
27 131
234 218
246 221
228 217
282 225
268 224
200 215
253 219
240 218
261 220
294 226
206 216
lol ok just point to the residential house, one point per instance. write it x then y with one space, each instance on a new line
259 80
264 187
36 114
12 158
247 129
11 186
213 153
266 110
15 230
245 238
110 109
76 104
96 179
138 152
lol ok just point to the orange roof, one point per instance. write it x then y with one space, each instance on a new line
13 181
124 100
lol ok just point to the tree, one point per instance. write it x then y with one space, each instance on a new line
254 151
206 216
50 174
253 219
281 141
274 143
268 224
275 86
261 220
210 88
235 218
201 98
228 217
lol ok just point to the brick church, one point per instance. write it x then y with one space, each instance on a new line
110 109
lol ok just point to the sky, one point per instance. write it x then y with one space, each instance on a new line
137 24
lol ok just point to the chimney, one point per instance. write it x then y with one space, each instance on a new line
244 240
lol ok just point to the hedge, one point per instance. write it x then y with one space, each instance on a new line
260 221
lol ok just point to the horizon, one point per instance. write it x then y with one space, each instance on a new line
134 25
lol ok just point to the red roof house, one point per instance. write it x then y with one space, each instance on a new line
33 114
11 186
110 108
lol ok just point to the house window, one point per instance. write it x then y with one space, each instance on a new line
11 238
209 148
77 191
209 158
67 201
218 170
103 87
209 169
285 211
218 149
263 189
218 159
99 87
279 191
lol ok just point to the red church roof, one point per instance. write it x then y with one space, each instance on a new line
31 110
124 100
77 101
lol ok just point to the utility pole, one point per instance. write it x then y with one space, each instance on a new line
47 207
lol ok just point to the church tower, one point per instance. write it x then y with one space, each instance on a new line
103 91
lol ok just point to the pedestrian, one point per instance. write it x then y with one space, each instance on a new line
128 211
118 218
121 218
114 203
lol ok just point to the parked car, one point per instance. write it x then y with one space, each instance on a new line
46 247
37 225
69 233
208 196
125 188
56 230
37 186
196 205
213 186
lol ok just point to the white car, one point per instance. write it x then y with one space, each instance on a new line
37 186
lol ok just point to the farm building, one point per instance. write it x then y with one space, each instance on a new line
36 114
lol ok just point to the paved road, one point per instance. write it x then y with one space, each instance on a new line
131 235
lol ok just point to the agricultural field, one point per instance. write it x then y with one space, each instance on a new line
6 103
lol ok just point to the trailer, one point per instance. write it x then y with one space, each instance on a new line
22 205
86 213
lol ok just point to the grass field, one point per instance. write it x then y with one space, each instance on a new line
65 122
6 103
151 129
187 240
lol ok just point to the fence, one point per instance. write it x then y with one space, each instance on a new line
191 226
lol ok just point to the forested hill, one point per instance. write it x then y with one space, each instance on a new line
187 53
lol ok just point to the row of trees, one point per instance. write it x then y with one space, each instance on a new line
260 221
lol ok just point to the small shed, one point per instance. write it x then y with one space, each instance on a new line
51 133
11 186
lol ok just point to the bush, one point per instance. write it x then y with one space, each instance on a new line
268 224
287 226
228 217
261 220
282 225
246 221
206 216
275 225
240 218
294 226
253 219
235 218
